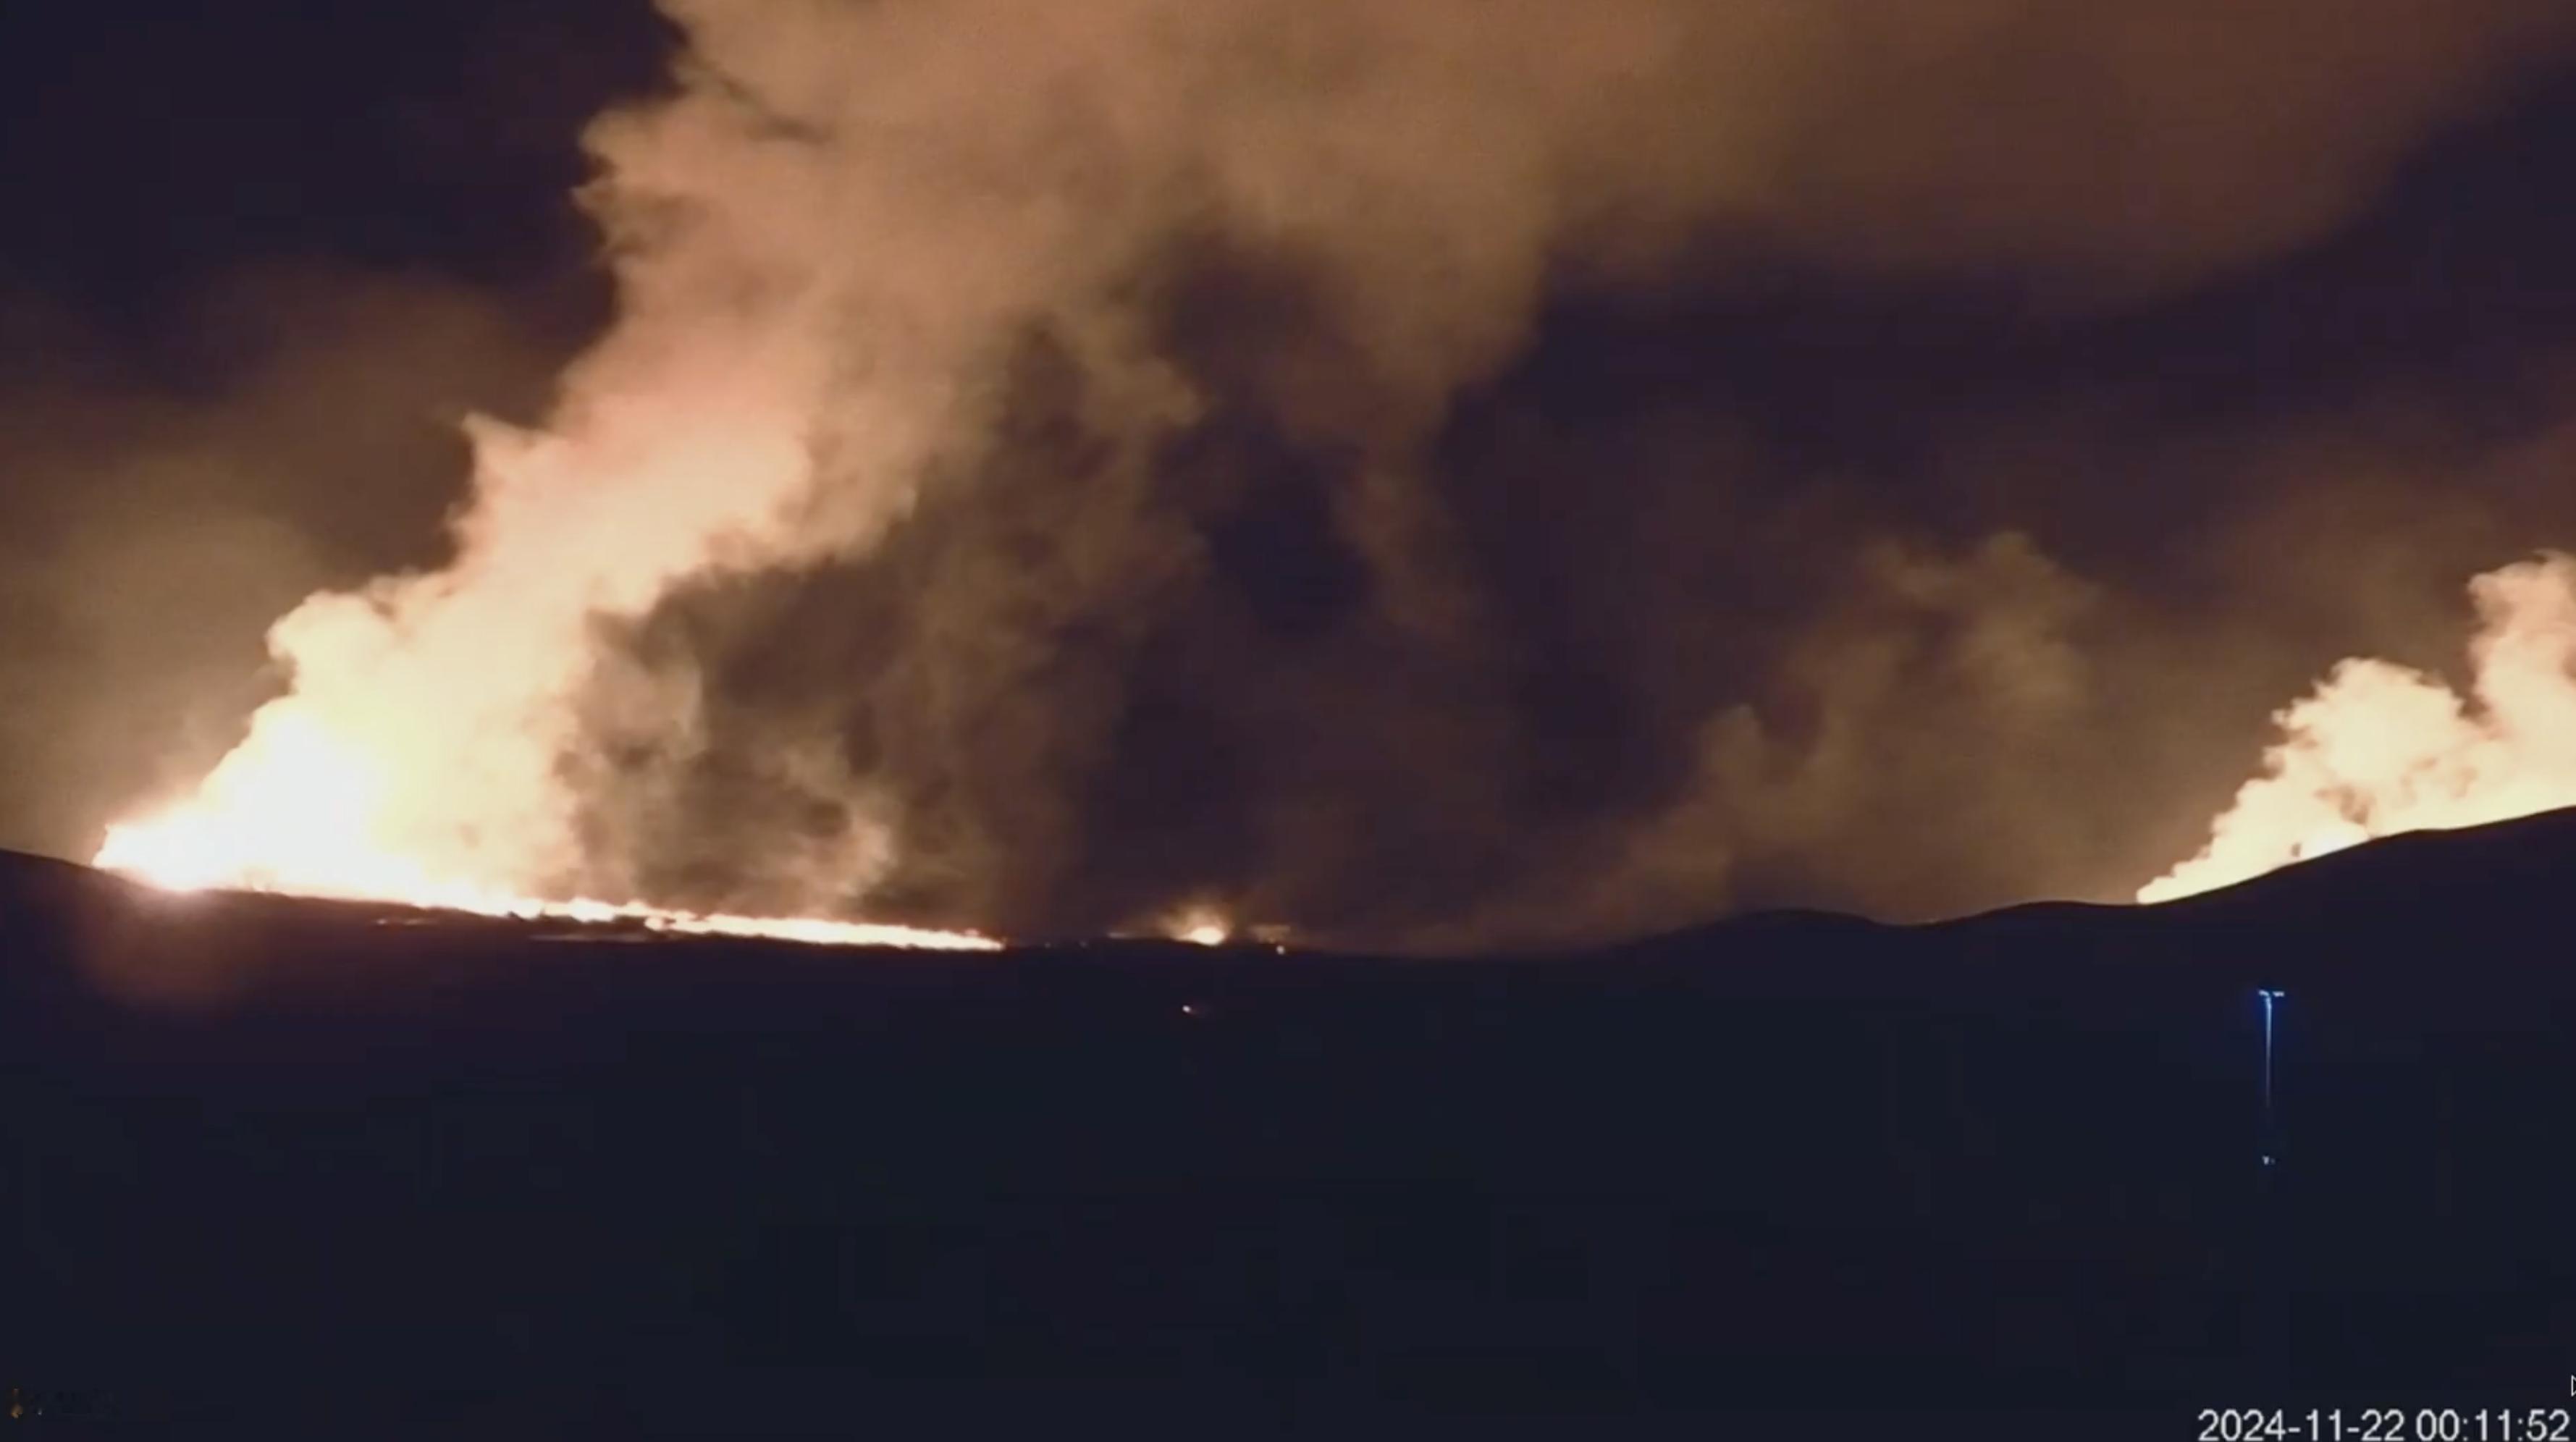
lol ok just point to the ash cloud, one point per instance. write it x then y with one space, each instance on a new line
1491 473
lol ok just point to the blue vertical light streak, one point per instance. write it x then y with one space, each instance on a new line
2271 1001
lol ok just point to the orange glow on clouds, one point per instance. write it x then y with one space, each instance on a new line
2378 749
298 811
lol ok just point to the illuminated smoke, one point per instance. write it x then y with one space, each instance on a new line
1027 300
2378 749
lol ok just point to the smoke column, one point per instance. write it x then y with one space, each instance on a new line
1031 482
2380 748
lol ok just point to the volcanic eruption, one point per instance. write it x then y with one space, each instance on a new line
1060 467
2378 749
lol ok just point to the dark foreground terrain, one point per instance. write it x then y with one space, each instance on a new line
352 1171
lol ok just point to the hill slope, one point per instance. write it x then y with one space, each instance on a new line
492 1175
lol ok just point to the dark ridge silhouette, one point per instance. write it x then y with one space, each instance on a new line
283 1163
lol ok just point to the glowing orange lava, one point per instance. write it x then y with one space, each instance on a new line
1199 926
298 815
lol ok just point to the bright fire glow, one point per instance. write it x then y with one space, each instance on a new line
185 851
299 814
1200 926
2378 749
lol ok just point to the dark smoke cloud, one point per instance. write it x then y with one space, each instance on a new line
1443 473
1686 457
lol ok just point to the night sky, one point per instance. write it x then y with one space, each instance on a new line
1907 547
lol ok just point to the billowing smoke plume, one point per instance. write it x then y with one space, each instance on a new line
150 535
2380 748
1062 463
